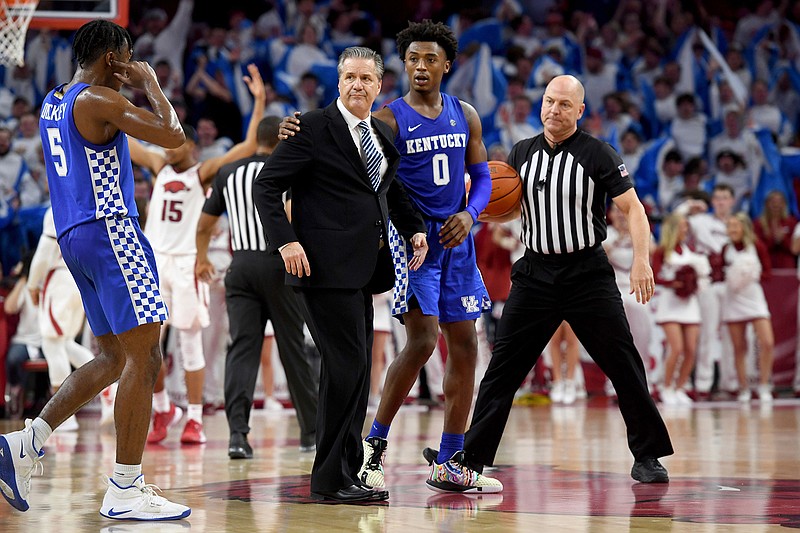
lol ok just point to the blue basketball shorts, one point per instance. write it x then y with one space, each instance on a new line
448 285
113 264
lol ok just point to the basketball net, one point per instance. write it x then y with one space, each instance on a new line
15 15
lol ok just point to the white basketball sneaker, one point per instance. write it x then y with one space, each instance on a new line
371 472
18 460
139 502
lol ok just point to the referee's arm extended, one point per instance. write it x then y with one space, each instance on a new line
642 282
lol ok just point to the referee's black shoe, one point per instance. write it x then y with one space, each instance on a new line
238 447
649 470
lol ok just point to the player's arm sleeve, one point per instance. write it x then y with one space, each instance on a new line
407 220
480 190
290 160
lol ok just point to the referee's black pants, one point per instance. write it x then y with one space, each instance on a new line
254 293
546 289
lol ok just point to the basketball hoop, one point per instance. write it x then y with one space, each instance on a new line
15 16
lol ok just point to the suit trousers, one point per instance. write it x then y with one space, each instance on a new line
340 321
254 293
546 289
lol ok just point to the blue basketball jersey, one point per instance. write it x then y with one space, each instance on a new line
433 152
87 181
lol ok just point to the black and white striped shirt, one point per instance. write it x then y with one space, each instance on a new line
565 190
232 191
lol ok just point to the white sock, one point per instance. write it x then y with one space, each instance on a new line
195 412
161 401
125 475
41 432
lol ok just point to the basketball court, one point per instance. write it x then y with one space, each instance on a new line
565 468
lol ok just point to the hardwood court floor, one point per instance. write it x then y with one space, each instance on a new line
564 469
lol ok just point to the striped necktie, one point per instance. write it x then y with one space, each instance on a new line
374 157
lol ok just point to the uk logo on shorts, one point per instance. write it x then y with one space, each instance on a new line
470 303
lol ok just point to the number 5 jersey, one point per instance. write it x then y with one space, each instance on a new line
87 181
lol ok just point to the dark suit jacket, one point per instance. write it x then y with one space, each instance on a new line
337 216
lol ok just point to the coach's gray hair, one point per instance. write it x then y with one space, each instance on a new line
361 52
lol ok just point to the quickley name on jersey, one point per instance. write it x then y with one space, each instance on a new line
433 152
87 181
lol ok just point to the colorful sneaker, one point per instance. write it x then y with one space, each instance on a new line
371 472
162 422
18 460
139 502
193 433
453 476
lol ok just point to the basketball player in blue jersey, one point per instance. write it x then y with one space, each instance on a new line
83 126
437 136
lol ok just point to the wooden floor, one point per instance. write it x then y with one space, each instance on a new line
564 469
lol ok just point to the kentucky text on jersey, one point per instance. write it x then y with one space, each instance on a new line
53 112
436 142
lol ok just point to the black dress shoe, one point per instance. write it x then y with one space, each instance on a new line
353 493
649 470
238 447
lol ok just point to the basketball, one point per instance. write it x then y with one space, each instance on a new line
506 190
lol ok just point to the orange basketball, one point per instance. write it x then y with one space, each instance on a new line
506 190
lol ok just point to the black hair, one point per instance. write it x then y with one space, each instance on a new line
693 166
97 37
673 156
189 132
724 187
685 98
428 31
267 133
632 131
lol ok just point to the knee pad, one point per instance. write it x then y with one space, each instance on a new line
191 341
55 353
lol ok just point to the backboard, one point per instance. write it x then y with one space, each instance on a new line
72 14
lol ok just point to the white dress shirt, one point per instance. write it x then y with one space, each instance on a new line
355 132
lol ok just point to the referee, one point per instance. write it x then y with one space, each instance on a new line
255 293
565 275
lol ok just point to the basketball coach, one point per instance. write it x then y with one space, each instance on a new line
341 168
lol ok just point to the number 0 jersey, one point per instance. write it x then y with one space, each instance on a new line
433 152
87 181
174 211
